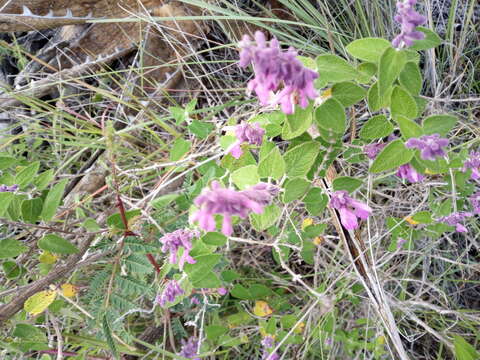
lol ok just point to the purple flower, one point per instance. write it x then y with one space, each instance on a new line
249 133
456 220
408 172
372 150
226 202
400 243
273 68
473 162
475 201
172 290
194 301
222 291
174 240
409 19
268 342
430 146
6 188
262 193
190 348
349 209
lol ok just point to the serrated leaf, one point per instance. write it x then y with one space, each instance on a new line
53 200
315 201
411 78
391 64
295 189
376 127
56 244
297 123
38 303
266 219
346 183
439 124
245 177
203 266
272 165
408 128
179 148
300 159
332 68
402 103
368 49
31 210
348 93
430 41
392 156
10 248
200 129
27 175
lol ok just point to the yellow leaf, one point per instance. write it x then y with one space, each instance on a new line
264 333
411 221
429 172
47 257
69 290
327 93
307 222
381 340
38 302
318 240
299 328
262 309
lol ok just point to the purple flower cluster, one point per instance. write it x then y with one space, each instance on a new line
372 150
409 19
174 240
408 172
246 133
431 146
475 201
349 209
189 348
473 163
268 342
456 219
228 202
172 290
274 67
6 188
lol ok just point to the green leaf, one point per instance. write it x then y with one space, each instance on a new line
297 123
368 49
423 217
346 183
200 129
392 156
330 119
348 93
411 78
272 165
295 189
42 180
431 40
266 219
463 350
391 64
56 244
5 199
115 220
12 270
209 281
408 128
440 124
163 201
376 127
240 292
108 336
14 211
315 201
6 162
245 177
10 248
203 266
402 103
214 238
27 175
300 159
53 200
179 149
367 70
31 210
333 68
30 332
375 102
215 331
